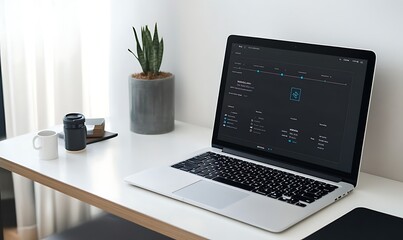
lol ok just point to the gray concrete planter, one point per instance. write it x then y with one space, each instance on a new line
152 106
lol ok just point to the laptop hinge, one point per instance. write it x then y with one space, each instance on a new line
282 165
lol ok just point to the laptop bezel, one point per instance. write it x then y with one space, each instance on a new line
275 159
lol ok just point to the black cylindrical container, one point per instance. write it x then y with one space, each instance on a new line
75 132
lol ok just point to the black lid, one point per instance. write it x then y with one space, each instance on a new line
74 119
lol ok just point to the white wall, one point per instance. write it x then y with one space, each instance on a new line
195 33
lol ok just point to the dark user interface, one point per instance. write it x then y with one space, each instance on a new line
300 105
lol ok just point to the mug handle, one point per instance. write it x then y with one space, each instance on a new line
34 141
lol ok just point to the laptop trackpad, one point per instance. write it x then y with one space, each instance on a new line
211 194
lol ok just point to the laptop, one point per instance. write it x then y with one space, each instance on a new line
288 134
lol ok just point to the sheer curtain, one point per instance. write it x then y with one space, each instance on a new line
54 60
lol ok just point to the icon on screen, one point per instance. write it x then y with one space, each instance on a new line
295 94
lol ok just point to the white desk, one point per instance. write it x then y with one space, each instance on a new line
96 176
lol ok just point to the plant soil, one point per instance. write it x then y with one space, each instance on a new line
151 76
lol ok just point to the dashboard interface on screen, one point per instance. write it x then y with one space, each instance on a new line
296 104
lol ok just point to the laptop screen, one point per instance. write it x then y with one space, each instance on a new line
299 103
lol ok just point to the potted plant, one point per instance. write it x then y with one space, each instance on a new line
151 92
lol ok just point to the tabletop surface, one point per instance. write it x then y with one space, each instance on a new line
97 174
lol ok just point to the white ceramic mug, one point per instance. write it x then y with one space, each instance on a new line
46 143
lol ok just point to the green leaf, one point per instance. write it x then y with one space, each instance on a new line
154 52
150 53
160 54
140 53
133 53
147 41
155 37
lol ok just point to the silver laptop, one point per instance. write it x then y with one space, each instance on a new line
288 134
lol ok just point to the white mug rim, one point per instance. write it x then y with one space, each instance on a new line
46 133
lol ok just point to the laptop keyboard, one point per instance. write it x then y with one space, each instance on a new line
277 184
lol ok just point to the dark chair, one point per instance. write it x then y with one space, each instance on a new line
107 227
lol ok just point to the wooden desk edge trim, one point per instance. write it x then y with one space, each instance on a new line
138 218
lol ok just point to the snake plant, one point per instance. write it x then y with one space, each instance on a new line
150 53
